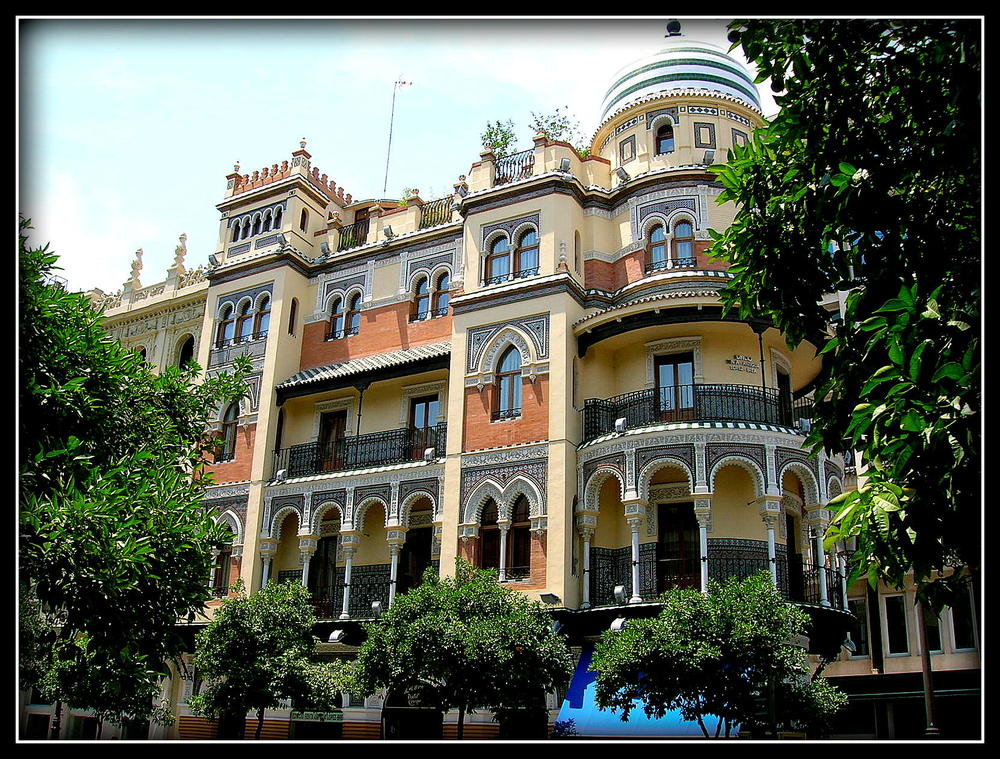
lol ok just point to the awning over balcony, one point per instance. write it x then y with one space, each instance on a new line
360 372
590 720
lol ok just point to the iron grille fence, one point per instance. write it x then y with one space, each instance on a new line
359 451
435 212
671 263
420 316
336 334
353 235
681 403
514 166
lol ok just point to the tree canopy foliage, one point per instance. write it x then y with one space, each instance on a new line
115 543
726 654
557 125
258 651
868 181
465 642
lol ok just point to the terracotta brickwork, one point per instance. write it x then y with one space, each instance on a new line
632 267
238 468
469 550
480 431
382 329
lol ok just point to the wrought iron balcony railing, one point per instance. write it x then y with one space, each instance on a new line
435 212
353 235
671 263
514 166
360 451
420 316
689 403
226 342
508 276
336 334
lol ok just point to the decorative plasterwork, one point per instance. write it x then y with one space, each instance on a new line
429 262
348 404
339 282
410 392
805 474
667 201
746 459
503 483
510 228
671 346
530 335
504 455
778 359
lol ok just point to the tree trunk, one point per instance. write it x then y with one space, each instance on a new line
461 721
260 723
100 728
701 724
56 722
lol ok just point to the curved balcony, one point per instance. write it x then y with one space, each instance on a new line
693 403
360 451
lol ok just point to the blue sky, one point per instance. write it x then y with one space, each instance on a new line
128 127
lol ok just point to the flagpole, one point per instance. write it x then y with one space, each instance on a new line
395 86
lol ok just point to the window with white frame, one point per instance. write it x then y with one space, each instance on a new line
895 625
859 608
963 623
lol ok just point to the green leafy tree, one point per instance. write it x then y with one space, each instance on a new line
465 642
868 181
722 654
560 125
115 542
259 650
500 136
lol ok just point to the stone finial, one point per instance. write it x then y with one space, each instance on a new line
348 198
181 250
137 265
302 143
236 167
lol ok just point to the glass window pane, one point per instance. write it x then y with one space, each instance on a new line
511 361
932 626
658 235
962 622
895 625
859 608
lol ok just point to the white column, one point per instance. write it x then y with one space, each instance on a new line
503 525
824 593
348 554
703 513
586 533
211 572
772 555
307 547
634 524
267 570
393 570
770 511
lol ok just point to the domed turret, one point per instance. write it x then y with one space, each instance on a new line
683 64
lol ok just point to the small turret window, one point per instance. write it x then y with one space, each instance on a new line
527 254
440 303
665 139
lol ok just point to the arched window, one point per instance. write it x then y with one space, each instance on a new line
498 262
656 251
422 301
518 563
186 352
665 139
292 314
267 221
508 385
277 218
220 578
244 322
353 317
336 327
227 326
440 304
246 229
683 244
489 537
236 232
228 439
263 319
304 220
526 254
256 225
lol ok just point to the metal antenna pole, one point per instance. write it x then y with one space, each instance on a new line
392 113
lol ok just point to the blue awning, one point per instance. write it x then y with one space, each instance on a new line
590 720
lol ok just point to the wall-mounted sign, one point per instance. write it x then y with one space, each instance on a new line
740 363
317 716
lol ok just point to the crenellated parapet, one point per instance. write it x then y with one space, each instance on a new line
299 165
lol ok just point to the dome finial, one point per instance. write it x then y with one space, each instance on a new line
673 28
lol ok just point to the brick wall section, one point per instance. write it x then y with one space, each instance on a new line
479 431
382 329
469 550
237 469
630 268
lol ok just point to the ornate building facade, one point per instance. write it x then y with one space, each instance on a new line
533 373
